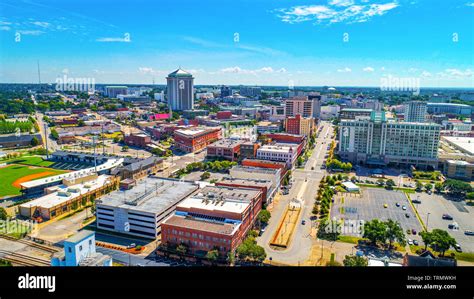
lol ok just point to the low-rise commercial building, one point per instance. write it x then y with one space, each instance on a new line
141 140
12 140
216 217
457 169
225 148
257 173
282 166
134 168
195 139
141 210
248 149
281 152
68 197
263 185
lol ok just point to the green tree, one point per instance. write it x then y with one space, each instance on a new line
3 214
419 186
439 187
427 238
355 261
376 231
441 240
125 148
205 175
212 255
457 187
54 134
390 184
34 141
181 249
264 216
428 187
395 232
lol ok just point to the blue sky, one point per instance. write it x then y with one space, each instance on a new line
254 42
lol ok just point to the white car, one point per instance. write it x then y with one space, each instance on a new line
410 242
404 208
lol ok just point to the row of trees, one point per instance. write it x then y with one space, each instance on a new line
214 166
249 250
7 127
379 232
337 164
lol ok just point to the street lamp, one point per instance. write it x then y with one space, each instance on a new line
427 219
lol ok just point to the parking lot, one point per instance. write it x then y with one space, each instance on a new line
436 205
371 205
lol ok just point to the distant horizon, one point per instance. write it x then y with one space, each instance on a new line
264 43
256 85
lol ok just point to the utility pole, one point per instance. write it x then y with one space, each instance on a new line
46 141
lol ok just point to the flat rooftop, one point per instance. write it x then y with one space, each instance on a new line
65 193
195 131
151 195
246 182
465 144
227 143
203 225
255 169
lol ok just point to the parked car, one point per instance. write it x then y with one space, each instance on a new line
458 248
133 245
404 208
469 232
397 204
416 201
447 217
410 242
385 206
303 222
415 242
453 225
407 215
413 231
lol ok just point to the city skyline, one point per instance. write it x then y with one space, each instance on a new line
304 43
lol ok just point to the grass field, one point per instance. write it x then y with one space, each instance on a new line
11 173
30 160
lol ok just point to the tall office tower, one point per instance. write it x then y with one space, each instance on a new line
114 91
316 99
226 91
379 142
299 105
415 111
180 90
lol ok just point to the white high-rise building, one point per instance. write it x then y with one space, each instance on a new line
180 90
415 111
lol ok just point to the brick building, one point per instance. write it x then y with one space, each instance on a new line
248 149
216 217
224 115
140 140
225 148
299 125
266 164
195 139
263 185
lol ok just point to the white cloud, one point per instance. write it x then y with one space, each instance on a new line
341 2
263 70
41 24
458 73
337 11
426 74
4 28
412 70
368 69
471 4
146 70
344 70
382 68
30 32
125 39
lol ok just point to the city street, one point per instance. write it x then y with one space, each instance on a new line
304 187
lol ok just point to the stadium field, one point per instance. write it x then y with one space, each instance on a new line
14 174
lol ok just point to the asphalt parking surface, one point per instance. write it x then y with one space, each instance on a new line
437 205
371 206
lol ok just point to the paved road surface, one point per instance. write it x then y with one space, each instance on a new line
304 187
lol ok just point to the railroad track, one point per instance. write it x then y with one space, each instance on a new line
31 244
23 259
